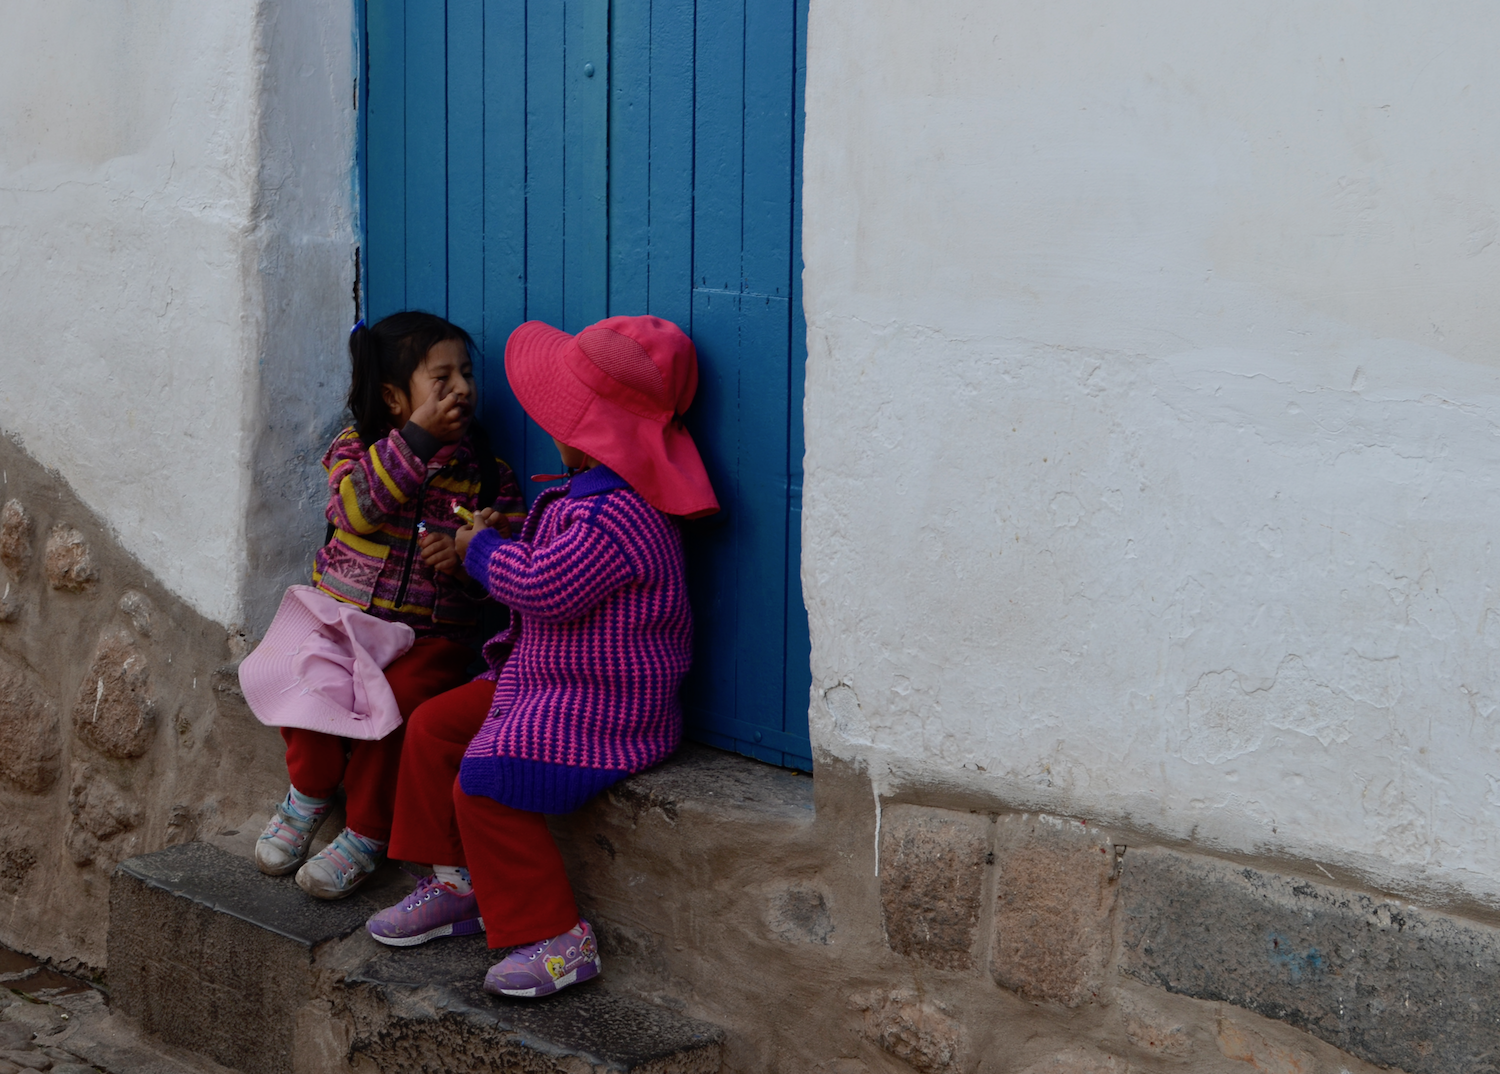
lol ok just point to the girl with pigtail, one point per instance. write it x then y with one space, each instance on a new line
389 591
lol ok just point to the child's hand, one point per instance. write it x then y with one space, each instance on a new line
488 516
444 415
440 552
462 538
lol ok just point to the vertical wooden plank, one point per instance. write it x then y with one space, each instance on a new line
718 144
798 641
629 155
426 156
545 142
465 136
586 163
385 149
770 76
713 566
760 518
504 223
673 50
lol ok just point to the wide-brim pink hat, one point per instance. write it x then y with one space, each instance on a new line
617 391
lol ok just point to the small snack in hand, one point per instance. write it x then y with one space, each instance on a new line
464 513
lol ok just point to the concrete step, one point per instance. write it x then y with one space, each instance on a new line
208 954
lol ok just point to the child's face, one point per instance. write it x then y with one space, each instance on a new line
572 458
446 371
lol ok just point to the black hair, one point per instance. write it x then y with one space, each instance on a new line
389 352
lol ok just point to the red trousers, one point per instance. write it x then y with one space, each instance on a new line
318 763
512 859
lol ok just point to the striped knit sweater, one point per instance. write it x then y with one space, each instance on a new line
599 641
376 497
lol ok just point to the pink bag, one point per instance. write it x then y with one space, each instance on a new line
319 668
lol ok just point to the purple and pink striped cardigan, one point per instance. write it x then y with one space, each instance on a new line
599 641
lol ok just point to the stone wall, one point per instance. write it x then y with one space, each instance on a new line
945 934
122 728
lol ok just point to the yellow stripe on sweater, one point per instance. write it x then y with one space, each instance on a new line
359 544
351 507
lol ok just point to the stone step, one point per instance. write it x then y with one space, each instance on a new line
208 954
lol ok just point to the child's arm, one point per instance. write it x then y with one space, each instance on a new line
565 580
366 486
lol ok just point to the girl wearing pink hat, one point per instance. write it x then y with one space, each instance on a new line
583 684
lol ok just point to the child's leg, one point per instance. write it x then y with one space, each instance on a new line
430 667
425 829
315 761
517 871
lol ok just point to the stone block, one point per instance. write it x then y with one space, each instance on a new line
29 733
1239 1042
424 1011
140 611
932 868
68 561
208 954
800 914
115 712
15 537
919 1032
1054 897
1153 1031
1390 984
99 813
1079 1061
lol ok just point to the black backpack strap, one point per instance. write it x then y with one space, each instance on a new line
489 468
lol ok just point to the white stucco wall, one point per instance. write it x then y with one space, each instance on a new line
1155 372
175 231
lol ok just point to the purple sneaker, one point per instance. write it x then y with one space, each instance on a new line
539 969
433 910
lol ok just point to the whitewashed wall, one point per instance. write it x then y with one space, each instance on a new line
1155 375
175 271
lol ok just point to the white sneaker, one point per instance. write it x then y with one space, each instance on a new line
337 869
282 847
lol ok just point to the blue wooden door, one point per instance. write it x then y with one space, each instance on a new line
568 160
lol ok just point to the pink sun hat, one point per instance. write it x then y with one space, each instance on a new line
617 392
321 665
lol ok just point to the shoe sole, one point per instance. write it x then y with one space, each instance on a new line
330 895
457 928
564 981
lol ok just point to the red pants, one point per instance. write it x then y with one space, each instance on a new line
318 763
518 874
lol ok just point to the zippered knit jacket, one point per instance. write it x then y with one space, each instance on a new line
599 640
376 497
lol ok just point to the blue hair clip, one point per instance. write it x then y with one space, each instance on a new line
357 326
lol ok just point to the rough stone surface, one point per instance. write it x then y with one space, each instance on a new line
16 530
139 609
1055 892
426 1011
115 711
1079 1061
69 562
1390 984
99 812
932 866
918 1032
29 733
1154 1032
1247 1046
800 914
207 953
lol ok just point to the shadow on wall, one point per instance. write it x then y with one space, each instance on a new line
122 728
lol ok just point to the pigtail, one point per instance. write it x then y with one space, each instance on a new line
365 400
